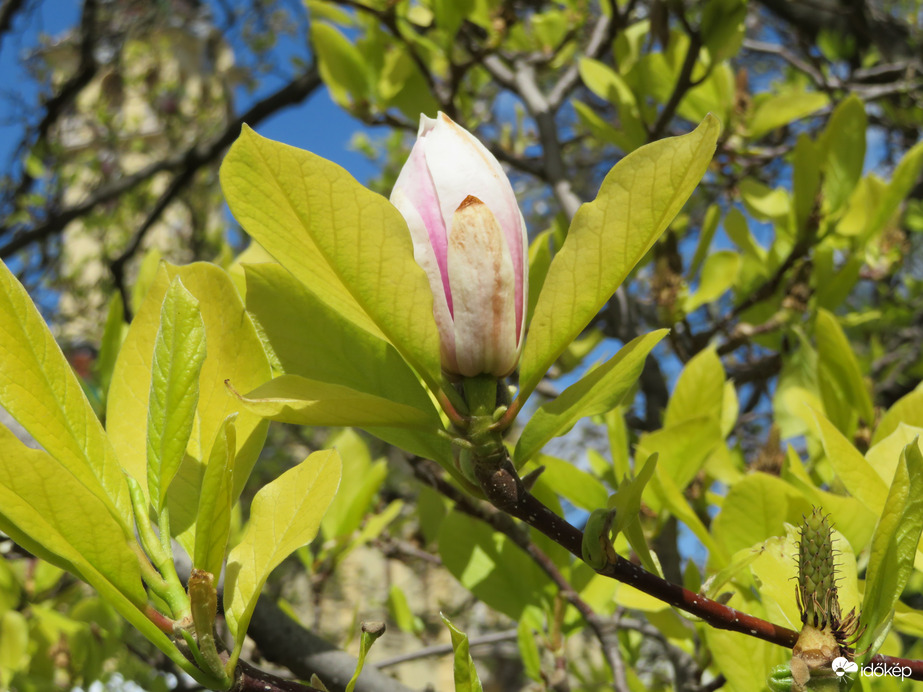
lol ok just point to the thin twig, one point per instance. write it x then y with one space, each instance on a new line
443 649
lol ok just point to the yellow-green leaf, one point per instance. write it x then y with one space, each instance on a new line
839 375
857 474
719 273
179 350
894 546
43 500
299 400
40 390
213 518
284 516
597 392
466 676
843 147
608 237
783 109
699 390
348 245
235 353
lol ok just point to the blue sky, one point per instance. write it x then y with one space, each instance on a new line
317 124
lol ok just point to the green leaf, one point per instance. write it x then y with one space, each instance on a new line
354 498
682 449
904 178
636 202
843 148
47 503
114 333
348 245
805 180
400 611
235 353
14 646
539 261
284 516
528 651
311 340
699 391
783 109
839 375
213 518
491 566
576 485
341 65
718 275
627 500
295 399
40 390
466 677
894 546
859 477
179 351
908 409
706 233
599 391
756 508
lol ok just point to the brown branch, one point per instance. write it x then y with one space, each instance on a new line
683 84
294 92
8 10
187 163
250 679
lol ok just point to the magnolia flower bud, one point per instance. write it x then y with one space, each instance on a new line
470 238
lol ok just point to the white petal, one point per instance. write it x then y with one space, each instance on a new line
483 290
426 258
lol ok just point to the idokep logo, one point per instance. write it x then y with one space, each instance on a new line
841 666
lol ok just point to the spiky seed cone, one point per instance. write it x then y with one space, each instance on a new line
819 604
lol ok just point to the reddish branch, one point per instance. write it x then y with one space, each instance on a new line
504 489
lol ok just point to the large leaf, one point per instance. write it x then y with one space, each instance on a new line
284 516
40 390
599 391
894 546
491 566
608 237
756 508
179 350
296 399
235 353
349 245
50 505
51 514
308 338
859 477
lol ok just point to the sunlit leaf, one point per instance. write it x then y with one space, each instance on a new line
40 390
179 351
636 202
284 516
597 392
348 245
466 676
213 517
894 546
